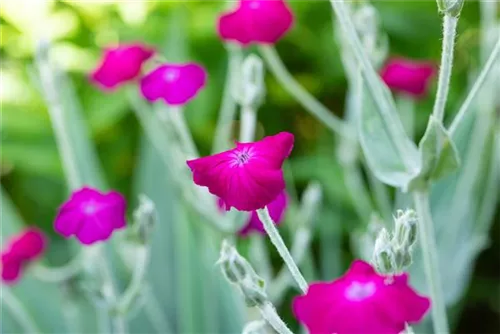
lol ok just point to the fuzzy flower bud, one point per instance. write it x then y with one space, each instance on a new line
255 327
252 88
406 228
450 7
145 217
383 254
238 271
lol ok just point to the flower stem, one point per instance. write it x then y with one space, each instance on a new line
277 241
176 116
269 313
18 311
228 107
379 93
449 34
492 60
58 274
430 255
317 109
247 124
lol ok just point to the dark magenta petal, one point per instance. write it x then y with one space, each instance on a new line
91 216
256 21
248 177
11 269
176 84
410 77
30 244
120 65
360 302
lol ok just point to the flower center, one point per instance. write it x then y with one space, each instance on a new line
242 157
89 208
171 74
358 291
254 4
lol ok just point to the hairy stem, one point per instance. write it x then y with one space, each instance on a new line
430 256
269 313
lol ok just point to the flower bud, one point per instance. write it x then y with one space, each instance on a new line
405 233
255 327
383 254
145 217
252 88
450 7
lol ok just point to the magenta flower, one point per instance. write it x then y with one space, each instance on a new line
91 215
20 250
248 177
120 64
276 209
175 83
410 77
256 21
360 302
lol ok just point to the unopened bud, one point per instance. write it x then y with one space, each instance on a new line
238 271
145 218
255 327
450 7
405 233
383 254
252 86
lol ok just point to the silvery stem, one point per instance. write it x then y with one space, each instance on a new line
278 242
269 313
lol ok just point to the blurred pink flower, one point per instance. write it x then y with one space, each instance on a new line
91 215
276 209
407 76
248 177
175 83
120 64
256 21
360 302
21 249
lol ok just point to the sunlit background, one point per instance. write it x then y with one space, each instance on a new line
31 171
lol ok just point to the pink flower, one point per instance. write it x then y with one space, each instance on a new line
248 177
407 76
20 250
120 64
175 83
360 302
91 215
276 209
256 21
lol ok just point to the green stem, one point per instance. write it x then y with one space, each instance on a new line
492 60
18 311
248 123
228 107
449 34
269 313
317 109
58 274
277 241
431 263
385 105
176 116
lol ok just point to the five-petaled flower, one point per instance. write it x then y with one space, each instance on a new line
409 77
19 251
176 84
248 177
91 216
360 302
276 209
120 64
256 21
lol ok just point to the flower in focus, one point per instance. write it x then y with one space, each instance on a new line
19 251
175 83
248 177
360 302
276 209
91 215
256 21
120 64
409 77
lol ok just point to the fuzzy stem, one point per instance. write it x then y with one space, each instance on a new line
277 241
176 116
248 123
430 256
381 97
449 33
58 274
228 106
269 313
475 88
317 109
18 311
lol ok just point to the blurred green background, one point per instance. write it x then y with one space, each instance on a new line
30 167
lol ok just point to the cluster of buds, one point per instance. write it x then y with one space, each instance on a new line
239 272
393 252
250 89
